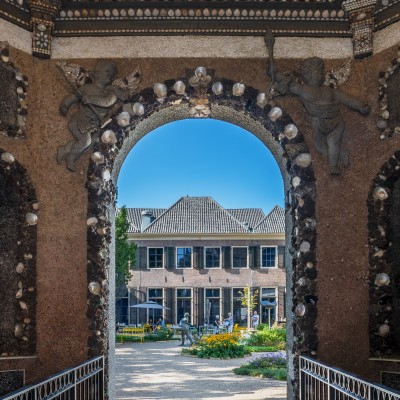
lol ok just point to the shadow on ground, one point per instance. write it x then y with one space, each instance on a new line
158 371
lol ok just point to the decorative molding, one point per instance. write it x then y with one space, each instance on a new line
43 13
361 18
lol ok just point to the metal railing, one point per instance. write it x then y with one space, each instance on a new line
320 382
83 382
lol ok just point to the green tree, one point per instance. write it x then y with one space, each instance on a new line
249 300
125 252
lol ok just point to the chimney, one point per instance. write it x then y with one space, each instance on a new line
146 218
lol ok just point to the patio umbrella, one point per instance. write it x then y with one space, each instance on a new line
150 305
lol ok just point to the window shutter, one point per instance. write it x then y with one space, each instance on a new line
281 257
142 257
170 303
227 302
226 257
201 258
281 303
257 257
200 300
170 257
252 253
196 257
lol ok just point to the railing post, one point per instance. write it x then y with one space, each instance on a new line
329 383
75 388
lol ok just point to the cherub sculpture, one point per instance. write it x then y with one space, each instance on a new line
95 94
321 102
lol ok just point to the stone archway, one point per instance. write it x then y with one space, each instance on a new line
384 269
277 131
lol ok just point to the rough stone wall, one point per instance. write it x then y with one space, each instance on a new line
342 241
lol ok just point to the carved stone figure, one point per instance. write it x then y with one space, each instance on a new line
94 95
321 102
185 329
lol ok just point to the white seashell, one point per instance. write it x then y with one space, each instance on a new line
303 160
302 281
31 218
305 246
35 206
200 72
103 253
300 309
383 330
106 175
23 305
94 288
310 265
381 124
382 279
20 268
291 131
18 329
275 113
160 90
296 181
19 294
217 88
138 108
8 158
108 136
380 193
361 16
238 89
179 87
385 114
92 221
97 157
262 100
123 119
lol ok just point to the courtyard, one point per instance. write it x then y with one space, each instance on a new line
156 370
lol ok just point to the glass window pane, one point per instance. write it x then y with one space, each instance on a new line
268 256
156 257
184 257
212 257
184 293
239 257
212 292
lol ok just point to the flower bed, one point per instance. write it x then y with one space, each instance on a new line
219 346
267 366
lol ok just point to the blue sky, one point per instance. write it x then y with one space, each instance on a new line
200 158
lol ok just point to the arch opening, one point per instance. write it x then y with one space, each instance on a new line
275 129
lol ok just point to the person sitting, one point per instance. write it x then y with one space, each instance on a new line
160 323
216 324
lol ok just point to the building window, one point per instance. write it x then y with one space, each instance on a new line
268 257
239 310
212 306
156 295
184 257
212 257
155 257
184 301
239 257
122 306
268 305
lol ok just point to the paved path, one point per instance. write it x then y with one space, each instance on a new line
158 371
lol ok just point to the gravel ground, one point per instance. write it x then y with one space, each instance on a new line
156 370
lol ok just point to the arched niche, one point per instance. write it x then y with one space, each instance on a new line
384 261
18 218
277 131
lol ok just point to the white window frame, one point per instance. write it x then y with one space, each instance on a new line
191 303
148 257
176 256
220 256
163 300
247 257
221 317
277 302
276 256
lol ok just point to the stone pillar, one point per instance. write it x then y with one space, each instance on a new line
361 17
43 14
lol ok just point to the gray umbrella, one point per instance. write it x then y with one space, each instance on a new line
150 305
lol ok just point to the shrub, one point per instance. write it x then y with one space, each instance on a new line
268 366
267 337
160 335
220 346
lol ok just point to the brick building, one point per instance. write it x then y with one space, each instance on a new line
198 257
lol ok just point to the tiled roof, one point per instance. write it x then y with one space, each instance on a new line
248 216
134 217
274 222
205 215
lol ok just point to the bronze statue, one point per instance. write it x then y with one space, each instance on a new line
95 95
321 102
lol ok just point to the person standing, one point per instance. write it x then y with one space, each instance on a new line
255 320
229 322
